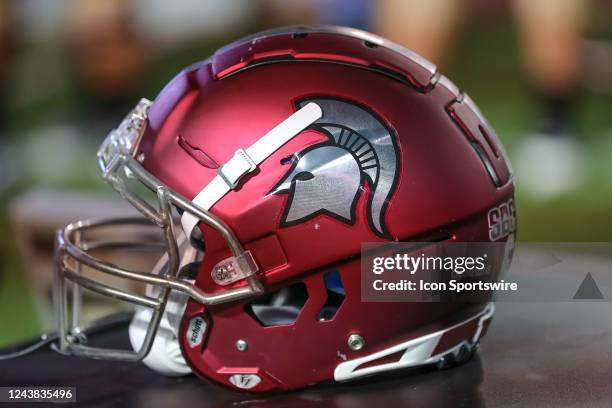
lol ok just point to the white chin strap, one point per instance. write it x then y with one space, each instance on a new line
165 356
246 161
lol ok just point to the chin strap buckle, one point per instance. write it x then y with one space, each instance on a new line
236 168
245 161
234 269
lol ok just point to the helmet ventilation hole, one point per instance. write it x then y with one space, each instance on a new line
335 296
279 308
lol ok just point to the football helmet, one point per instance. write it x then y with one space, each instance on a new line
270 163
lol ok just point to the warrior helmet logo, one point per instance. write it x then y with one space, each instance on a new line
328 177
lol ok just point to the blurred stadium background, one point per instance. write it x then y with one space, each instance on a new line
70 70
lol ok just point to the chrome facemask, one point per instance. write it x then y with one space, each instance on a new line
73 250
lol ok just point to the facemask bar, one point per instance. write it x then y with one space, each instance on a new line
116 155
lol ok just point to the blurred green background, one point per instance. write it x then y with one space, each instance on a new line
54 112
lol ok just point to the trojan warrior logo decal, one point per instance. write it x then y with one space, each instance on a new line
328 178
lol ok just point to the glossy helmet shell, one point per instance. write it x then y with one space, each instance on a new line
450 171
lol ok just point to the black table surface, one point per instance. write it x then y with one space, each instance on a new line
535 355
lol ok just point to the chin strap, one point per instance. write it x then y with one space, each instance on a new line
246 161
165 356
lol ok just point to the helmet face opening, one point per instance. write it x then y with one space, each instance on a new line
283 154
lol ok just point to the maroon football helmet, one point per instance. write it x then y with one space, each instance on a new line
283 153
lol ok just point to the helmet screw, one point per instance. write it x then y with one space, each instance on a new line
356 342
241 345
141 157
